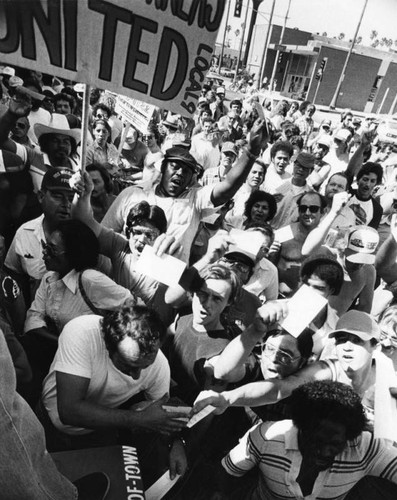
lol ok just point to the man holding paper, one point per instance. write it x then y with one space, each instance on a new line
185 205
101 363
358 364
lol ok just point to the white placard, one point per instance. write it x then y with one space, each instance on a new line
200 415
303 307
165 269
283 234
250 242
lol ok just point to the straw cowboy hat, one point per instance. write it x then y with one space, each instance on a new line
58 125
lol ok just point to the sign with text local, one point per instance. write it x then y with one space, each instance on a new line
157 51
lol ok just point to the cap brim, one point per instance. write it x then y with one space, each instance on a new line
361 258
239 255
40 129
362 335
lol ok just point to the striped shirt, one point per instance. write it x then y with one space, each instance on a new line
273 447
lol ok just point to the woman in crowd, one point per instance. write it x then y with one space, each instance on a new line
72 287
260 208
102 150
102 195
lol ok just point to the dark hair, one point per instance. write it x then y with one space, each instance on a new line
296 140
284 146
371 168
304 342
256 196
143 212
81 244
327 400
205 109
303 105
311 106
332 274
64 97
44 139
97 167
287 125
219 271
101 121
323 201
236 102
140 323
342 174
103 107
208 119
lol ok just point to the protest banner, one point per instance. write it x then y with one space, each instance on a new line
133 111
157 51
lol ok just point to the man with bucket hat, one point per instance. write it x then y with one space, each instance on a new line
58 142
183 203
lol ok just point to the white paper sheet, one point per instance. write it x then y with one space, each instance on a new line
283 234
200 415
248 241
161 486
165 269
303 307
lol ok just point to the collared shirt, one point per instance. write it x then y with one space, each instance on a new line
25 255
273 448
213 176
60 298
106 154
183 213
287 208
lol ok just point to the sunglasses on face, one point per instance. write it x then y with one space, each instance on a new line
313 209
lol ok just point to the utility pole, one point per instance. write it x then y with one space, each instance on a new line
332 104
241 42
264 54
278 52
255 7
224 37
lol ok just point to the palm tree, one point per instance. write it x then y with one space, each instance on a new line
373 34
375 43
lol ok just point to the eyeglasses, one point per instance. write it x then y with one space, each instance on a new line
313 209
281 357
234 264
50 250
103 117
147 137
22 126
149 234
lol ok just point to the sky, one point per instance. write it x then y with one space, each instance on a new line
331 16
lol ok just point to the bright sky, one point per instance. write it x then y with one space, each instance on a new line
331 16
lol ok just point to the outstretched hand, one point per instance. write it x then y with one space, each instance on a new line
259 137
21 103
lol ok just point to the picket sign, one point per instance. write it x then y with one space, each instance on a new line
156 51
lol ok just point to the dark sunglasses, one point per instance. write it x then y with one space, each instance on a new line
313 209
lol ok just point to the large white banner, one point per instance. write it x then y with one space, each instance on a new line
157 51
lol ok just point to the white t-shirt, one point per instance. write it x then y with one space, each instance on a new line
82 352
363 210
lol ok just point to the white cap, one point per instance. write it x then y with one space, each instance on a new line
362 244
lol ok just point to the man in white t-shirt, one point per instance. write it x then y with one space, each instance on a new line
100 364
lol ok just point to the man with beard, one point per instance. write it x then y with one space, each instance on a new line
185 205
58 142
24 259
218 174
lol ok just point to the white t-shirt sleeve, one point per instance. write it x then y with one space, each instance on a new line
158 378
77 349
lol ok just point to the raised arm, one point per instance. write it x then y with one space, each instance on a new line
81 208
230 364
225 190
20 105
317 236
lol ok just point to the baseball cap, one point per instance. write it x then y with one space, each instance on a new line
7 70
220 90
305 159
57 178
326 123
342 134
325 140
229 147
15 81
358 323
362 244
356 121
180 154
181 140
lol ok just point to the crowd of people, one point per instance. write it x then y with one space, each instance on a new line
260 202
